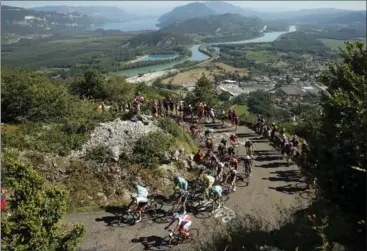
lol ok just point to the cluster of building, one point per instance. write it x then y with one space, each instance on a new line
298 86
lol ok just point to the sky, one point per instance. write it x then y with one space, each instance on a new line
159 7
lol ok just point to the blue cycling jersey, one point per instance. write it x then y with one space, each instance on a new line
217 190
183 183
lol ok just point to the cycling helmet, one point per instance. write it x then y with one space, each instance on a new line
134 195
247 157
176 215
221 164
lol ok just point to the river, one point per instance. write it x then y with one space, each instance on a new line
199 56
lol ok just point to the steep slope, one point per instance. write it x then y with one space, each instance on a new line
223 24
188 11
106 12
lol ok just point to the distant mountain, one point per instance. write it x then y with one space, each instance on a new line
20 21
223 8
221 24
355 17
160 39
188 11
111 14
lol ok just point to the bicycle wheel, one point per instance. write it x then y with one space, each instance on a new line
193 235
241 180
225 197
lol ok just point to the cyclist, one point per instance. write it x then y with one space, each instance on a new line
233 177
233 162
209 143
183 223
249 147
140 199
208 133
199 156
209 180
222 147
220 170
248 164
183 186
233 139
209 154
217 194
193 129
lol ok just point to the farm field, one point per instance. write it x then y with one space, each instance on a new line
209 69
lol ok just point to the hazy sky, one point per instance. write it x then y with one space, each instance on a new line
168 5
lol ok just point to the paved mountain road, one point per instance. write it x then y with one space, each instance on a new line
271 188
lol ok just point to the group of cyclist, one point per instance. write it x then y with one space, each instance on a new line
225 164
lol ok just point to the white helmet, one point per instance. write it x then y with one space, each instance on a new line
221 164
247 157
176 215
134 195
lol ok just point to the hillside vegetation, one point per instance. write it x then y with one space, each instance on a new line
188 11
219 26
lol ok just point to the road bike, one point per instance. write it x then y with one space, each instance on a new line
175 238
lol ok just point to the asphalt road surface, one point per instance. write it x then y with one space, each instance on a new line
273 186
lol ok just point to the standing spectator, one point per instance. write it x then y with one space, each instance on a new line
155 109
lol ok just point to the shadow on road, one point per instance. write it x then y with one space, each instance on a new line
245 135
273 165
288 189
152 242
266 152
287 176
268 158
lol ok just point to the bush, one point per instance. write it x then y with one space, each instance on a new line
170 126
35 213
149 150
100 154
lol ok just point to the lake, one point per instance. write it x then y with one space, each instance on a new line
199 56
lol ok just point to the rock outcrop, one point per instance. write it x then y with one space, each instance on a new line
119 136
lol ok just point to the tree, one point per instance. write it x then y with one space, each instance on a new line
204 91
260 102
91 86
224 96
33 222
28 96
340 143
116 89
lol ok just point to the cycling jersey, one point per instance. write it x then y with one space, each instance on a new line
141 199
142 191
183 183
210 179
217 190
184 221
248 143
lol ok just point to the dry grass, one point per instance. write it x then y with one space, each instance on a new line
209 69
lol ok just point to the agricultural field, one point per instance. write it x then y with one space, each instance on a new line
209 69
333 44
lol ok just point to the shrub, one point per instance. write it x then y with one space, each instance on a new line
100 154
170 126
150 149
35 213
